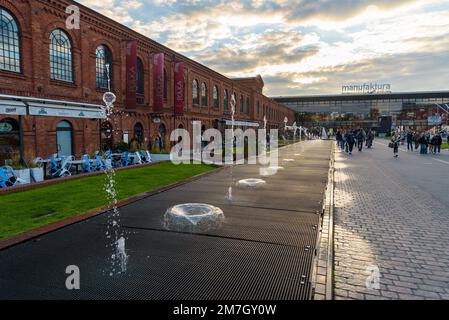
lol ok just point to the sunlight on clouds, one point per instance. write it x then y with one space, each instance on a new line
298 45
308 80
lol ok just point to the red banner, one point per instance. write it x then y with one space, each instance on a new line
131 75
179 88
158 72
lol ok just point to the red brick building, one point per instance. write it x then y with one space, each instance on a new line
52 80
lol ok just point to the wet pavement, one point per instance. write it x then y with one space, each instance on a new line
264 249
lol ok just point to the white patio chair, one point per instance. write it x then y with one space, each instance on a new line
11 176
145 156
64 170
137 158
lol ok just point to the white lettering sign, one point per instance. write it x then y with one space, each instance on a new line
366 88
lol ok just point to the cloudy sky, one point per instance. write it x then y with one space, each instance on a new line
305 46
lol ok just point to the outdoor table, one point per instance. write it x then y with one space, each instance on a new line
77 164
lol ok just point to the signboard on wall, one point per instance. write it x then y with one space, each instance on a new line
131 74
68 113
434 120
241 123
179 88
13 110
366 88
158 72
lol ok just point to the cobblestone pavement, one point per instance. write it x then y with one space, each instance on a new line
389 223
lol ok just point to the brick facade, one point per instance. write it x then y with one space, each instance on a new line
38 18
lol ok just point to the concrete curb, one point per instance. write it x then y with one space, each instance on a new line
322 279
40 231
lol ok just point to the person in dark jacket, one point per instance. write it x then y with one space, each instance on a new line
361 137
396 139
437 141
423 143
416 140
350 141
369 139
409 138
339 138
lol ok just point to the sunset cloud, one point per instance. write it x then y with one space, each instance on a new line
303 46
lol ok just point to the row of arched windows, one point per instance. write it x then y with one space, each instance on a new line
61 66
204 96
60 54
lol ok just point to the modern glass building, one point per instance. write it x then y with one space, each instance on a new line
417 110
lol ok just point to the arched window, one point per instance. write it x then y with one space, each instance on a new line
103 62
165 85
258 108
248 105
204 94
140 78
61 66
241 104
9 42
195 93
216 98
225 100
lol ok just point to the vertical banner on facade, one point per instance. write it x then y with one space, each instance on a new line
158 72
179 88
131 74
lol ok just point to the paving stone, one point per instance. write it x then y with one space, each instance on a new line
383 221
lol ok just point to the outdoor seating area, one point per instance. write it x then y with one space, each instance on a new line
63 166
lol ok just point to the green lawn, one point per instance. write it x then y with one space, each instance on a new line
445 146
23 211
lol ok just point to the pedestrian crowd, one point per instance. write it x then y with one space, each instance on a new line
428 142
348 139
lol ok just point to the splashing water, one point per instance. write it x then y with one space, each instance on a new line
119 258
193 217
233 104
229 197
121 255
253 183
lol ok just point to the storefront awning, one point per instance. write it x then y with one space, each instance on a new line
17 105
242 123
16 108
54 110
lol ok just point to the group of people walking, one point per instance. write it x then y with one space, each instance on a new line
427 142
347 139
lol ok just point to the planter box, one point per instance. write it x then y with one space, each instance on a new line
159 157
23 174
38 174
